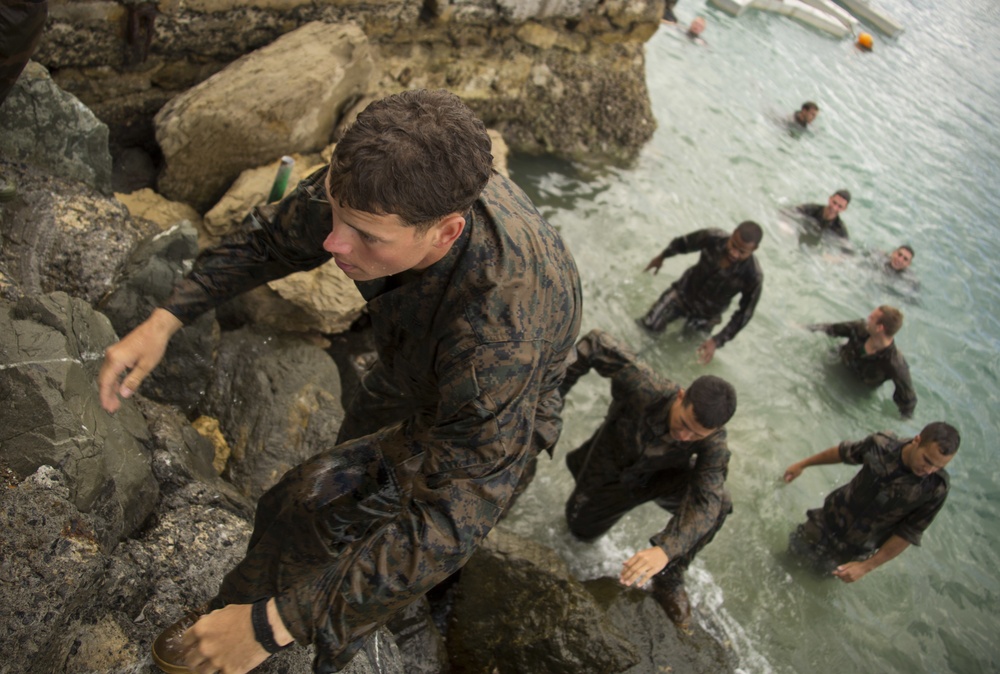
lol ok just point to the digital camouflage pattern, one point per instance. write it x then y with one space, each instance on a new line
705 290
463 396
877 368
21 25
883 499
631 458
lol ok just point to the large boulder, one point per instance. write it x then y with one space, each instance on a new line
50 414
42 125
520 611
62 235
277 399
146 281
283 98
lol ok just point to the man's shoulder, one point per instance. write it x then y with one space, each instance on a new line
516 279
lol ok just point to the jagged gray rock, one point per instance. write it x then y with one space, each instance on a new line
277 399
145 282
61 235
50 348
50 129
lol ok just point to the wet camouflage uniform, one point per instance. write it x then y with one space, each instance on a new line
706 289
874 369
21 25
884 499
815 212
631 459
462 397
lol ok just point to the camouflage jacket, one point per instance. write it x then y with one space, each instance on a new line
706 289
884 499
633 444
874 369
463 394
815 213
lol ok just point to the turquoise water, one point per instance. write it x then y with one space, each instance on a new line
910 129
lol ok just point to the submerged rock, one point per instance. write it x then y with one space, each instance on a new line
520 611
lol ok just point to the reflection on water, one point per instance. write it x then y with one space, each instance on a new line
908 129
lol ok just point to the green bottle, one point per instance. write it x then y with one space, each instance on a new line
281 179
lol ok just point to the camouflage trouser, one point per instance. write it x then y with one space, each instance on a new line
809 543
668 309
21 26
593 508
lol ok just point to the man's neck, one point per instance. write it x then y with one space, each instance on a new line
876 343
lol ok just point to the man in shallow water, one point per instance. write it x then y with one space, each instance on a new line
695 29
475 304
870 353
884 509
726 267
661 443
899 260
806 115
827 217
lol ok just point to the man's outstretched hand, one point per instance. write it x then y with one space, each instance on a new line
137 353
655 264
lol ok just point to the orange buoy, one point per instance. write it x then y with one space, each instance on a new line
865 41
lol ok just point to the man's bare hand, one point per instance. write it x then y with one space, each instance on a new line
706 351
851 571
223 641
792 472
655 264
138 352
642 566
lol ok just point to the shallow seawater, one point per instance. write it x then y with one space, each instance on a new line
910 130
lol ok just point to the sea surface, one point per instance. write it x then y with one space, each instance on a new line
912 130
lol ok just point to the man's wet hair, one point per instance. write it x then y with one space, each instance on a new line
844 194
750 232
418 154
809 105
944 435
713 400
891 319
908 248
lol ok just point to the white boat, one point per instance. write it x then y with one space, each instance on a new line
824 17
879 20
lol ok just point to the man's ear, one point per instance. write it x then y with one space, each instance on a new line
447 230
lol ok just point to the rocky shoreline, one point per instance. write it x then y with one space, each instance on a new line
113 525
